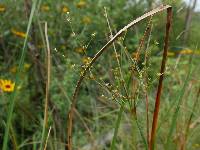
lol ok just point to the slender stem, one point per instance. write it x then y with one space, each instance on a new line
162 70
45 124
118 63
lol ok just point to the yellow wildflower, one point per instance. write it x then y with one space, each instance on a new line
45 8
2 8
65 9
81 4
86 20
13 69
7 85
86 60
80 49
27 66
18 33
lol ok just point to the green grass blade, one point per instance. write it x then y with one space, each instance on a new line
13 95
180 98
119 117
136 122
141 134
117 128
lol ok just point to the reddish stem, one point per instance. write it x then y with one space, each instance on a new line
159 90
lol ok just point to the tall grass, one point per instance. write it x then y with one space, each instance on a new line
17 80
103 49
117 124
179 101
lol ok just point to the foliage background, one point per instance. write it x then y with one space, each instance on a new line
76 31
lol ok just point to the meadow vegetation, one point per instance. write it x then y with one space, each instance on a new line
59 91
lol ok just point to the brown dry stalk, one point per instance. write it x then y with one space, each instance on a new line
162 70
48 78
97 55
